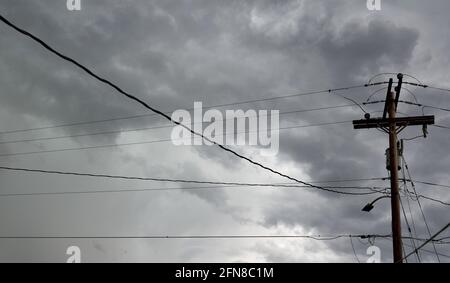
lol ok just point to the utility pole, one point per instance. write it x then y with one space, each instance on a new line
392 126
395 196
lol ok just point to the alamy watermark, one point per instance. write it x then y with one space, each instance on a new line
73 5
374 5
374 253
236 127
74 253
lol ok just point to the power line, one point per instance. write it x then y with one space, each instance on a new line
395 74
413 138
316 237
225 185
427 86
154 127
435 107
422 182
144 104
444 90
410 103
429 240
353 101
385 88
419 196
354 252
159 141
406 218
156 189
442 127
54 172
373 190
314 182
433 199
190 109
420 205
187 237
407 221
439 88
429 183
437 241
412 218
350 180
427 251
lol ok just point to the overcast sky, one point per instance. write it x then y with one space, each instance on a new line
172 53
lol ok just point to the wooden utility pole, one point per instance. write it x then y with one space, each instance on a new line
393 125
395 196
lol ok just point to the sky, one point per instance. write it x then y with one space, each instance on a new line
173 53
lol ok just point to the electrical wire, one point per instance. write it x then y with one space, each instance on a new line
124 237
351 180
420 205
144 104
407 102
353 248
414 231
427 86
412 217
374 189
231 184
353 101
394 74
371 190
408 227
428 183
434 107
442 127
385 88
314 237
433 199
170 112
427 251
428 241
162 140
413 138
157 127
54 172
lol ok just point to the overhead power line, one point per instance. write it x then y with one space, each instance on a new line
373 190
433 199
158 141
410 103
435 107
223 185
200 237
421 182
425 250
428 241
388 74
317 237
146 105
428 86
369 190
190 109
153 127
405 164
54 172
442 127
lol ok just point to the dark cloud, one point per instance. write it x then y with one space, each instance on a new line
365 49
173 53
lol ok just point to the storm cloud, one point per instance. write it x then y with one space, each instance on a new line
172 53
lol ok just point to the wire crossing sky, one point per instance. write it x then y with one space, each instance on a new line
138 100
81 160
